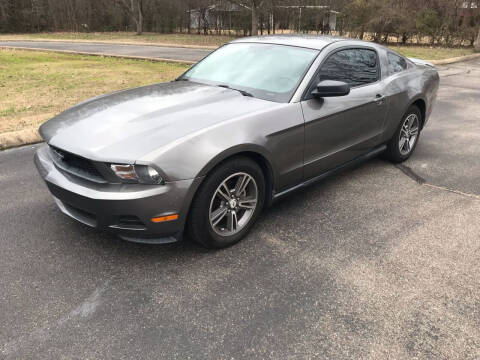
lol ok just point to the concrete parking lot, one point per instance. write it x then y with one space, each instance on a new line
378 262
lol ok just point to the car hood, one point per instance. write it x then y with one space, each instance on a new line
126 125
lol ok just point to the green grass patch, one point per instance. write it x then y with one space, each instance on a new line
432 53
8 111
37 85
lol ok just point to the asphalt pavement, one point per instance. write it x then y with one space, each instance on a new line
378 262
158 52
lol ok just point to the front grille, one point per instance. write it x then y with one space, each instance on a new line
76 165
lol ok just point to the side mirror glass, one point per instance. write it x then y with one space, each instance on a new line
331 88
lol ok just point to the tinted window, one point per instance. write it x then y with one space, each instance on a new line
353 66
396 63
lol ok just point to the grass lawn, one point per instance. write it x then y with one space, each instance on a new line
36 86
431 53
421 52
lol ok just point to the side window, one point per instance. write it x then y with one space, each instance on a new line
352 66
396 63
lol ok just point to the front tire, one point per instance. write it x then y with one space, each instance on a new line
404 141
227 203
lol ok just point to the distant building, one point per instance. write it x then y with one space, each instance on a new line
469 8
470 5
329 20
218 16
223 14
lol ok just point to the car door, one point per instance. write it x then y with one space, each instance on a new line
339 129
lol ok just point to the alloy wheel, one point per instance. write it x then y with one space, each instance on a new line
233 204
408 134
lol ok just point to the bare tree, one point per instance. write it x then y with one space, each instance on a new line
134 8
254 6
445 22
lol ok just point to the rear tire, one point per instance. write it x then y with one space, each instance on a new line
227 204
402 144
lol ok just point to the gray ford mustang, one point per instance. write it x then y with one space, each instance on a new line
253 121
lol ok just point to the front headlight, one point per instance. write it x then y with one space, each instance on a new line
143 174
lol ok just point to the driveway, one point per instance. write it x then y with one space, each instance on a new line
378 262
159 52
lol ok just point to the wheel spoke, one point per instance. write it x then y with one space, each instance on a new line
242 184
249 203
408 145
414 131
218 215
402 142
232 221
224 191
411 121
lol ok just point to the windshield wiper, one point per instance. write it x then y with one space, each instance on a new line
181 79
243 92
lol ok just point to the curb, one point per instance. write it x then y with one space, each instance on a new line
106 42
187 62
454 60
19 138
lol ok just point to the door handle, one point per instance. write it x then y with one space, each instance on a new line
379 99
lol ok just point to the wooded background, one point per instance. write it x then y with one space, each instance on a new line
436 22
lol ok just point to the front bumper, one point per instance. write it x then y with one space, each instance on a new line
124 209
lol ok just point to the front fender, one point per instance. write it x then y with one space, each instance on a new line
240 149
276 135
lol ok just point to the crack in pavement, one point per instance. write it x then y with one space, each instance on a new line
458 192
421 181
455 74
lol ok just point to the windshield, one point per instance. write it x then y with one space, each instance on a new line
266 71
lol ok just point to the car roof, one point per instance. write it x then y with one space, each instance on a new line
306 41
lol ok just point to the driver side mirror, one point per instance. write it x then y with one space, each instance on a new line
331 88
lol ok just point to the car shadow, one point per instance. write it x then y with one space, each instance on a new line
281 209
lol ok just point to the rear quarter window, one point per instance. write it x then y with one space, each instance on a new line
396 63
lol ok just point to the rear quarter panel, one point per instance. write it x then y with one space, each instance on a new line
404 88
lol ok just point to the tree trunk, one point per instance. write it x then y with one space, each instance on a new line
254 20
477 43
140 18
199 22
385 38
140 25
